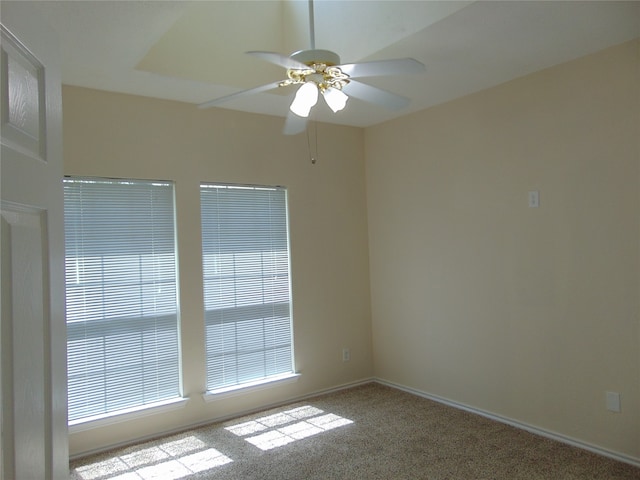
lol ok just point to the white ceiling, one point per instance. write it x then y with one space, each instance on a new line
194 51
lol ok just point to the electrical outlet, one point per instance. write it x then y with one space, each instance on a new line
346 354
534 199
613 402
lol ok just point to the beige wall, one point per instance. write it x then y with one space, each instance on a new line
117 135
527 313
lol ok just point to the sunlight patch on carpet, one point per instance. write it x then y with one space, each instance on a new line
286 427
168 461
183 457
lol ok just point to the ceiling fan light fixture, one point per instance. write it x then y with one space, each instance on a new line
306 97
336 99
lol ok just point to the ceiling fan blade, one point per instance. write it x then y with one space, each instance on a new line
368 93
278 59
399 66
242 93
294 124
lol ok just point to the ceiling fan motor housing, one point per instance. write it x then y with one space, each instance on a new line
310 57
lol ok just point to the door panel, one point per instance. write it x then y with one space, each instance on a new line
33 334
23 315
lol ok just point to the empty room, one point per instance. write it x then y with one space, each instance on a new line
320 239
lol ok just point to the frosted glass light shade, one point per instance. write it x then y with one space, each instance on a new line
336 99
306 97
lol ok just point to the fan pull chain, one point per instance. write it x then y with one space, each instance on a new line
313 154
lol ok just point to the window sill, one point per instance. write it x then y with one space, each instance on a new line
227 392
127 414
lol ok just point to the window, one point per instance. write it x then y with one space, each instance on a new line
246 284
122 323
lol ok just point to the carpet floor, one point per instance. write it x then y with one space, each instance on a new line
366 432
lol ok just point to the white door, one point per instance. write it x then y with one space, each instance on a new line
33 336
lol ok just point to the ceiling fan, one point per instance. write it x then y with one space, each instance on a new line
319 72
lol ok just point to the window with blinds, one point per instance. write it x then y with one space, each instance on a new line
122 324
245 251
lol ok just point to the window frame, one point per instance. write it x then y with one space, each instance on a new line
162 403
228 390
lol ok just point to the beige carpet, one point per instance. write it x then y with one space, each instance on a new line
366 432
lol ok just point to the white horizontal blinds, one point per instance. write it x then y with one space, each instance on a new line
122 328
246 284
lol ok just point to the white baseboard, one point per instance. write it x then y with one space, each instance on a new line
521 425
223 418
